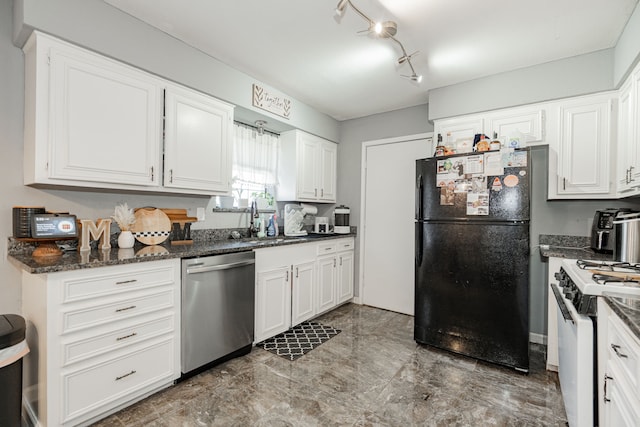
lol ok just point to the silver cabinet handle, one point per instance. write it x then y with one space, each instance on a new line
217 267
124 282
631 168
125 375
287 278
315 192
341 261
606 378
616 348
297 273
334 263
131 307
126 336
152 175
171 176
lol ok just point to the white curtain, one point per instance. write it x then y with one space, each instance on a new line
255 161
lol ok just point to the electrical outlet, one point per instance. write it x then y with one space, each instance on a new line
200 214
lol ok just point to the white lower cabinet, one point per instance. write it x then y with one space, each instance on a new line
100 339
297 282
618 371
273 301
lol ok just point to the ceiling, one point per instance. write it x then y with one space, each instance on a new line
300 49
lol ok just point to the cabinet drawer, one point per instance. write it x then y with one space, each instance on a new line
345 245
80 287
85 317
623 348
90 391
327 248
77 350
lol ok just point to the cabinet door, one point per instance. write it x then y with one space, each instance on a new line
514 123
197 141
584 148
635 124
308 164
620 405
326 283
328 179
458 128
302 293
345 276
273 303
626 144
105 120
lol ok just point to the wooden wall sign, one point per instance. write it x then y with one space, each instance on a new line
100 231
271 102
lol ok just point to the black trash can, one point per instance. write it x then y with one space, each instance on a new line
13 348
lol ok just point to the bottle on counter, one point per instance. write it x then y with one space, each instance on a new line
495 143
271 230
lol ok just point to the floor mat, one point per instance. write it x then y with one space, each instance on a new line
299 340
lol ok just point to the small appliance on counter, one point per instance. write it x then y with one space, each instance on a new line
342 220
322 225
602 232
627 237
293 220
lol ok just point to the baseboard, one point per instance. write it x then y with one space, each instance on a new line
356 300
537 338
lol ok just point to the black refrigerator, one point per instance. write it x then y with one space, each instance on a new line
472 255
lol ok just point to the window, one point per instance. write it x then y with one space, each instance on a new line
255 161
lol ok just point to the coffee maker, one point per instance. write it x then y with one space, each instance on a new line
603 237
341 214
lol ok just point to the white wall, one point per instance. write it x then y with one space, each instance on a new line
627 50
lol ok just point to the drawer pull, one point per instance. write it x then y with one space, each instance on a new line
126 336
606 378
616 348
131 307
327 249
124 282
125 375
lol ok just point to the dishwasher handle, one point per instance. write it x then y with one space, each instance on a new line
205 269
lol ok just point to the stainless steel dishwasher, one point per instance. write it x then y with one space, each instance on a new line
218 299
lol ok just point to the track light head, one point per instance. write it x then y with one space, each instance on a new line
341 7
385 29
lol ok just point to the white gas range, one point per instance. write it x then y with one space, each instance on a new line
580 282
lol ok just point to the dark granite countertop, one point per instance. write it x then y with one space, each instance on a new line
75 260
573 247
628 310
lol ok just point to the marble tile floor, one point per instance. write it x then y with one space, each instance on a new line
371 374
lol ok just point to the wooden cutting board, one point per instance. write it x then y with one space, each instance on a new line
619 274
152 226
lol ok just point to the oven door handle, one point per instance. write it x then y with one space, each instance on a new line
562 305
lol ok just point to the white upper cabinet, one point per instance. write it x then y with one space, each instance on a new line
584 144
526 123
94 122
516 122
89 120
307 168
451 130
198 141
628 161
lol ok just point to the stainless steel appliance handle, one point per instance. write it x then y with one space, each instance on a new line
562 305
600 233
219 267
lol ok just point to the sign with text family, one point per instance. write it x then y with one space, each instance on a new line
271 102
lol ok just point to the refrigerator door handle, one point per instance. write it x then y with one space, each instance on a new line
419 193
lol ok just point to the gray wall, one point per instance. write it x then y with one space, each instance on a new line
100 27
579 75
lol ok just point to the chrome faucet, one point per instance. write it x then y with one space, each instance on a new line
253 230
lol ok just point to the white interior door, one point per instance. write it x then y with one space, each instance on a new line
389 205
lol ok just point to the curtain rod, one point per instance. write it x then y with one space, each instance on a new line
255 128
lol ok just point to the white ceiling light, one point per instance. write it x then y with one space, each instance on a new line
384 29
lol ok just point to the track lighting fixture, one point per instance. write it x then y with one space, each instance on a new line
385 29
